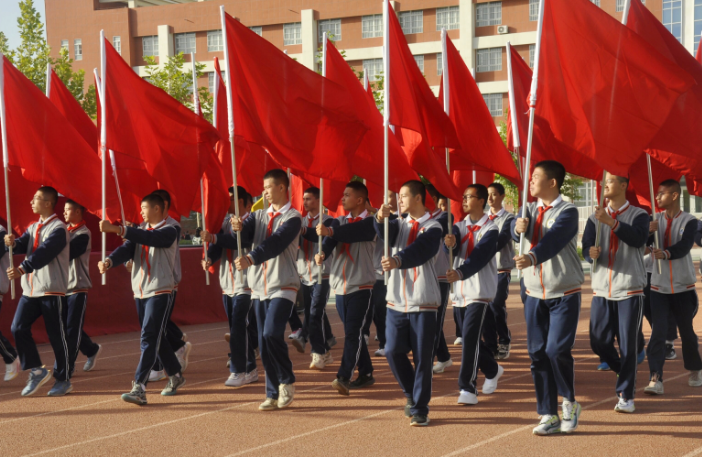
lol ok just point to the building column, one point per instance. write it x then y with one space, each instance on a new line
467 38
165 43
310 43
688 25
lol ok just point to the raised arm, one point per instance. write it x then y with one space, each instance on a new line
683 247
481 254
78 246
422 250
46 252
559 235
162 237
275 244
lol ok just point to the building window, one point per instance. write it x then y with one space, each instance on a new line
150 46
185 43
672 17
258 30
439 64
292 33
447 18
372 26
64 45
211 79
488 14
420 63
412 22
534 10
332 27
596 2
698 23
532 55
214 41
489 59
373 68
117 44
78 49
494 104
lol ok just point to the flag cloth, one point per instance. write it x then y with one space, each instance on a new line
47 149
604 91
481 145
422 128
367 162
69 107
305 121
144 122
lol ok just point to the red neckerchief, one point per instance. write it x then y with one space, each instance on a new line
145 255
536 236
413 231
344 248
470 237
39 226
668 225
613 238
73 228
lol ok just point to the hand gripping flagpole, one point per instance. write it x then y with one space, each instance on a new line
196 108
532 108
230 117
321 181
599 225
513 110
5 161
386 122
103 140
447 101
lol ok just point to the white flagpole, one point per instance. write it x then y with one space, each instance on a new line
48 80
196 108
513 109
532 107
321 181
230 117
386 120
103 140
5 160
447 102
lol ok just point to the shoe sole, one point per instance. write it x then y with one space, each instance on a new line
315 367
70 389
14 374
694 384
339 388
186 355
267 408
299 346
173 392
623 411
419 424
549 432
652 392
672 358
466 404
286 404
134 401
496 379
41 383
368 384
164 377
92 367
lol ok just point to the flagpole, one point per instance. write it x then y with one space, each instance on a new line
48 80
5 160
532 108
103 140
230 112
321 181
599 226
386 122
447 101
196 108
513 110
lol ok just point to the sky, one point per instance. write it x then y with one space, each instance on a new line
9 11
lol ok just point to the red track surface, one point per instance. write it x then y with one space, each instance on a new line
206 418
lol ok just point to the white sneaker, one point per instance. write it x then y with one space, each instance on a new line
185 337
157 375
655 387
439 367
490 385
235 380
467 398
182 354
549 424
380 353
251 376
695 379
318 362
367 339
625 406
268 405
328 359
571 416
12 369
294 334
286 393
458 342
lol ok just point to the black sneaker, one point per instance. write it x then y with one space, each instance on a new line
362 382
408 407
419 421
670 351
342 385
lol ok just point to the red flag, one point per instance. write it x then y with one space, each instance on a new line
421 126
303 120
146 123
481 145
47 149
604 91
67 105
368 159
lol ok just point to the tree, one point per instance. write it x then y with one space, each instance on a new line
32 56
89 102
4 48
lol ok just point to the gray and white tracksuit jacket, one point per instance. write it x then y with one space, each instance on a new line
307 268
224 249
677 237
505 255
79 256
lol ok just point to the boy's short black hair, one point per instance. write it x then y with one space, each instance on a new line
672 185
154 200
553 170
482 192
50 194
242 193
498 187
76 205
433 193
312 190
278 176
417 188
165 196
359 188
